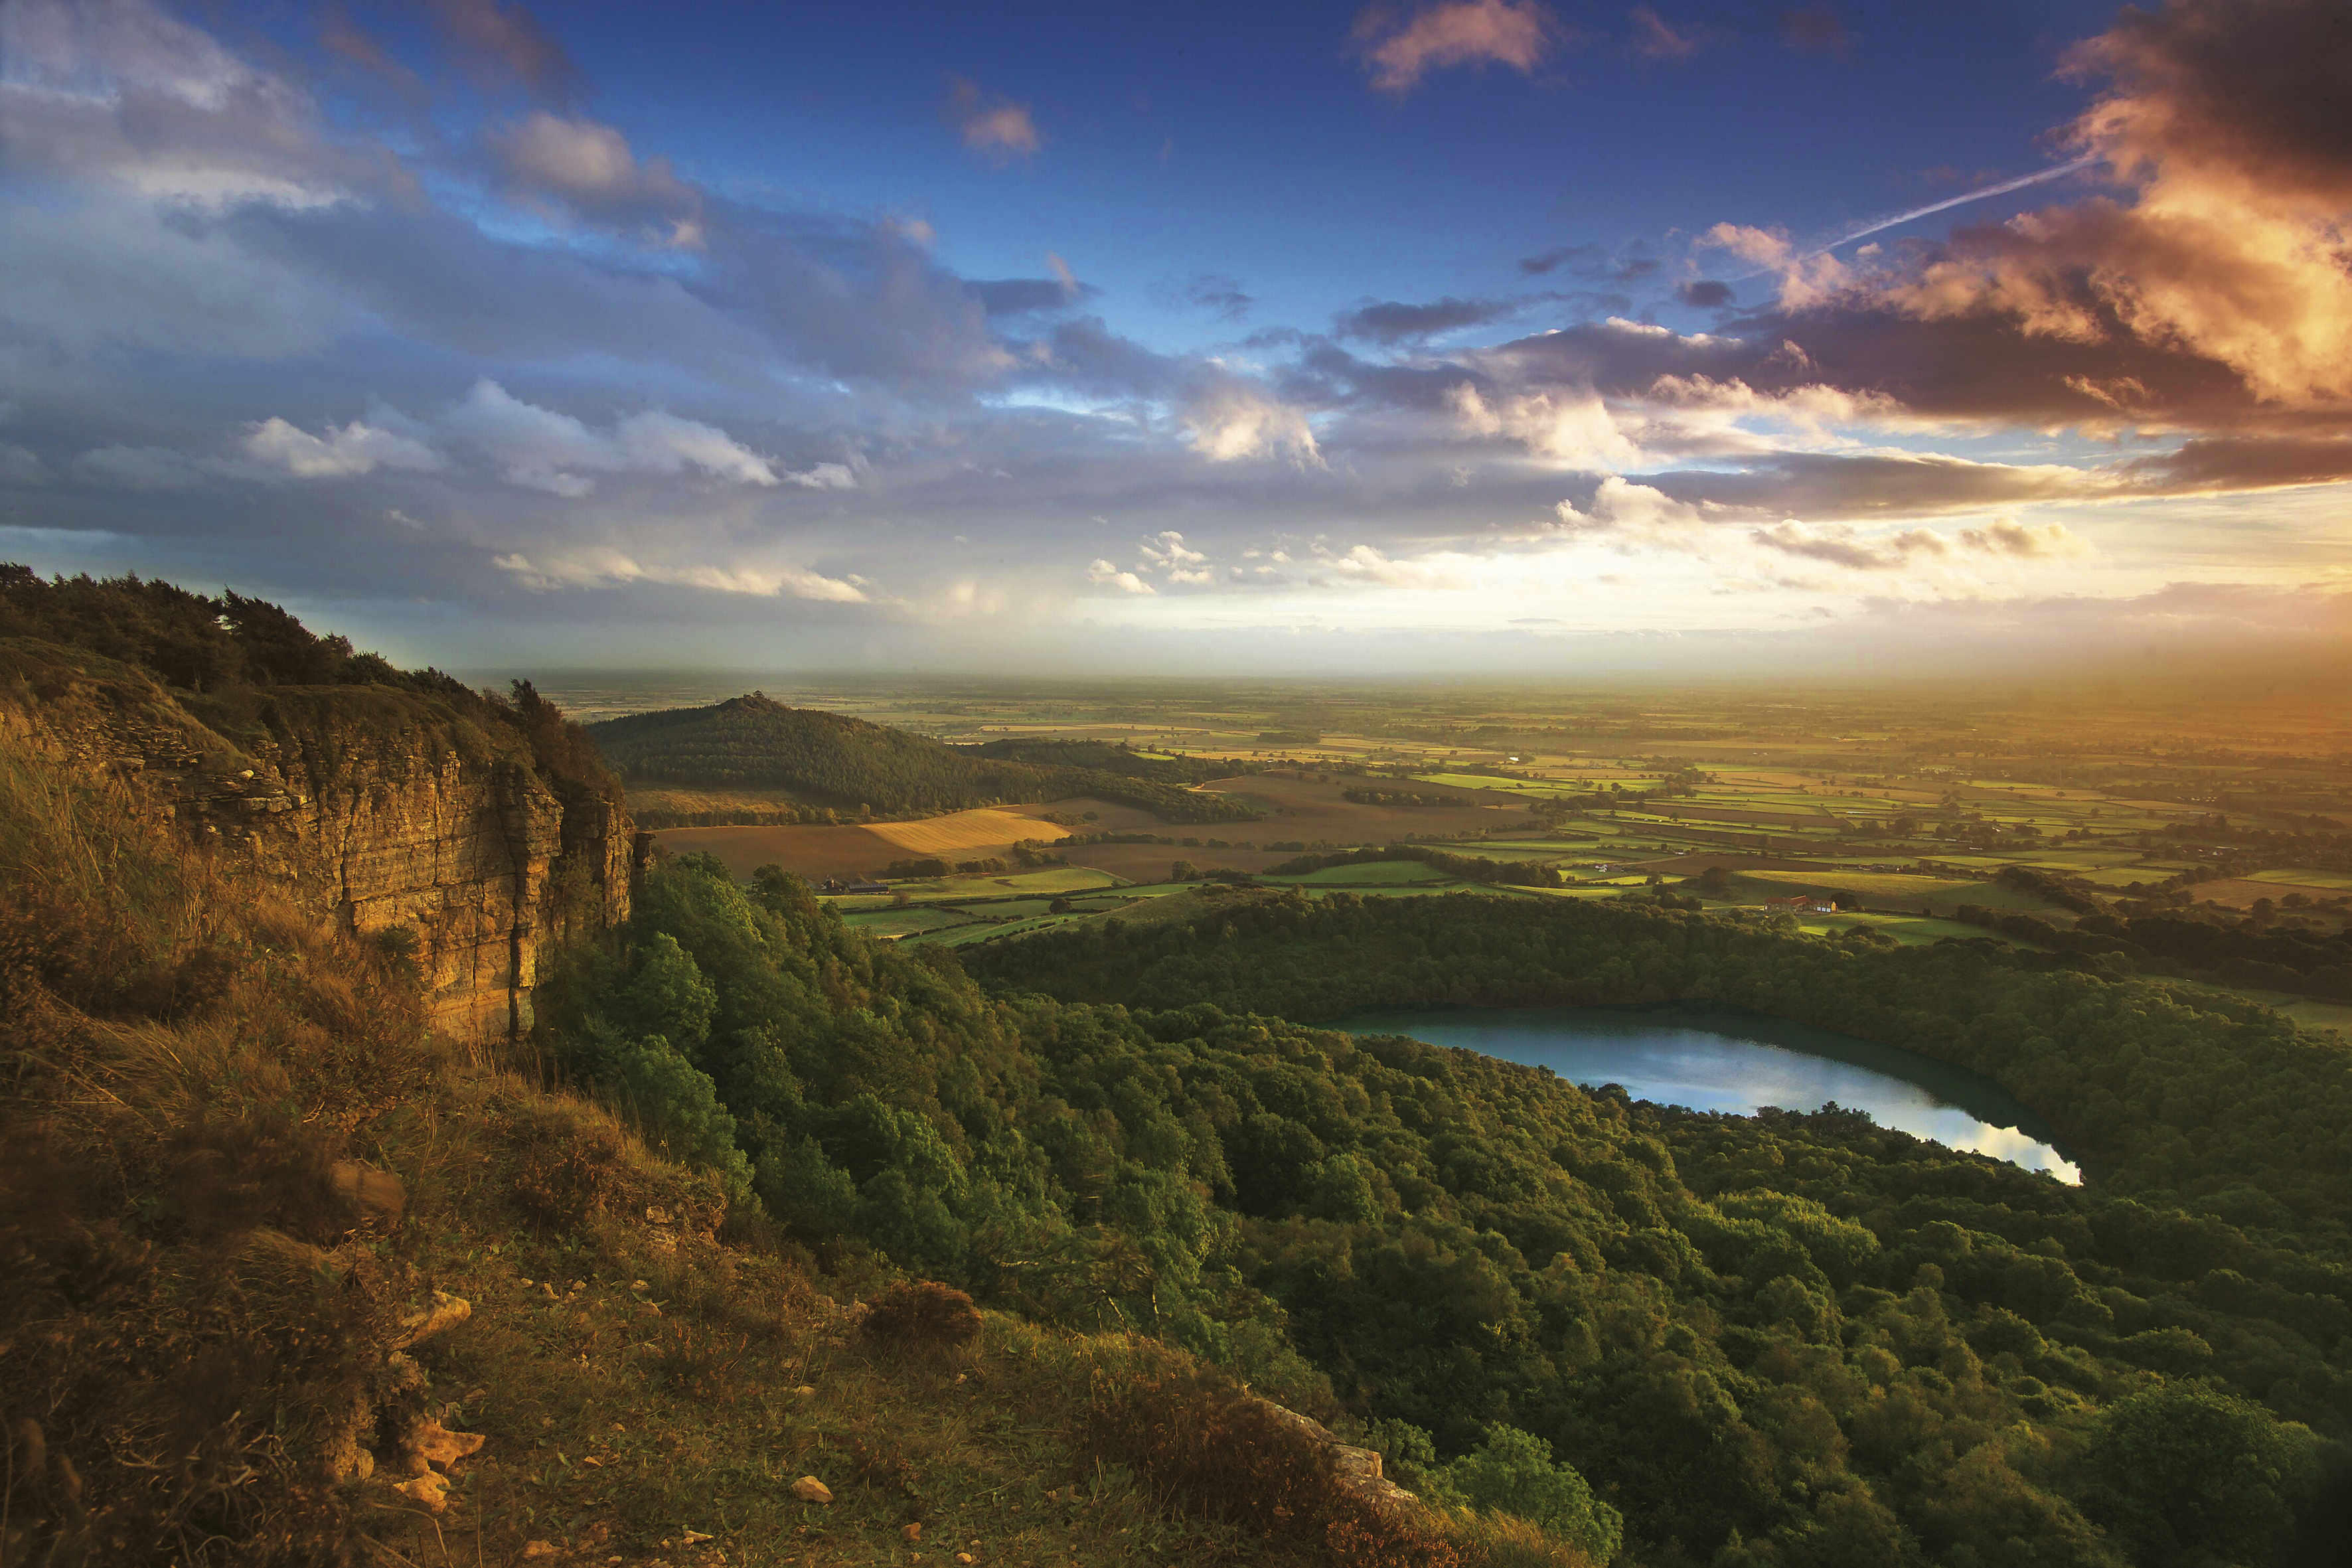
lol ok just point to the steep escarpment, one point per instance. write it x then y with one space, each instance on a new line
466 835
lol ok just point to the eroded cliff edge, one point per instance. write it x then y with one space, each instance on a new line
388 809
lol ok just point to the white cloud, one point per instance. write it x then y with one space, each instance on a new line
1110 576
544 449
665 443
602 567
1633 514
349 450
1227 420
1169 551
826 477
1574 428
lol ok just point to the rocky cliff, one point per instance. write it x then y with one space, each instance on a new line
389 810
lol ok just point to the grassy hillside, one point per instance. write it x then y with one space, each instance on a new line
294 1281
841 763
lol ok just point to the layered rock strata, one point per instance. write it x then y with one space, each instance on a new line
389 812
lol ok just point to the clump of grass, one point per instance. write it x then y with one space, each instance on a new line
921 1316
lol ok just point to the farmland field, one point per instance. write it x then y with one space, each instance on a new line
2136 802
1387 872
818 852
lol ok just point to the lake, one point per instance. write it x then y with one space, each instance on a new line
1710 1060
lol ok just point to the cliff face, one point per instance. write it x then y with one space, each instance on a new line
384 809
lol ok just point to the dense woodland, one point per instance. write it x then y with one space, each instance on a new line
848 764
1785 1339
2256 949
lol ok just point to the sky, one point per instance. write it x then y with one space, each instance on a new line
1493 336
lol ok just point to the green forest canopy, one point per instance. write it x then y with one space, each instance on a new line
1781 1340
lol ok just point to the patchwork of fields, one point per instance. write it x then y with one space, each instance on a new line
1916 807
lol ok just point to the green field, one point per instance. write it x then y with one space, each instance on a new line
902 923
1383 872
2339 881
1898 887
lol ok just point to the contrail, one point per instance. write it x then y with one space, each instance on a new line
2002 189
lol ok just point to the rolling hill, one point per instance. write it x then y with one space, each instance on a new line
848 763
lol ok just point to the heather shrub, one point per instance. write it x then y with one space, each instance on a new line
922 1315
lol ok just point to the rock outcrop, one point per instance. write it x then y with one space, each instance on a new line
393 811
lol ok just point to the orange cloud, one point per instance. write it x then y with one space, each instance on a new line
2225 126
991 124
1400 51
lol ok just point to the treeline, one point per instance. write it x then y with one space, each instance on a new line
2167 1092
1365 796
226 655
834 759
929 867
1464 867
1787 1342
1108 757
2240 952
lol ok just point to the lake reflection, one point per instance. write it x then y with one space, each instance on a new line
1712 1060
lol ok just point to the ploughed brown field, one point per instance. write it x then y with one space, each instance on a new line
863 851
1309 809
1298 809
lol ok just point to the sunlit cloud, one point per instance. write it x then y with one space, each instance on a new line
1401 49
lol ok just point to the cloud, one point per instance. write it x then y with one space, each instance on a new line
1219 293
139 468
1364 563
588 170
1400 50
2025 540
342 453
1580 255
544 449
1633 513
497 44
1025 296
602 567
2247 463
1169 552
2223 126
991 124
1652 37
1390 322
127 94
1228 419
1815 29
824 476
1704 293
1836 544
1110 576
1572 424
21 465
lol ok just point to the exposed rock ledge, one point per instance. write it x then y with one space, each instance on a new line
380 808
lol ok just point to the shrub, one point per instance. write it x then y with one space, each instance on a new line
1513 1472
1207 1447
922 1315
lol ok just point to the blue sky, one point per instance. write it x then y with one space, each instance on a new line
1458 334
